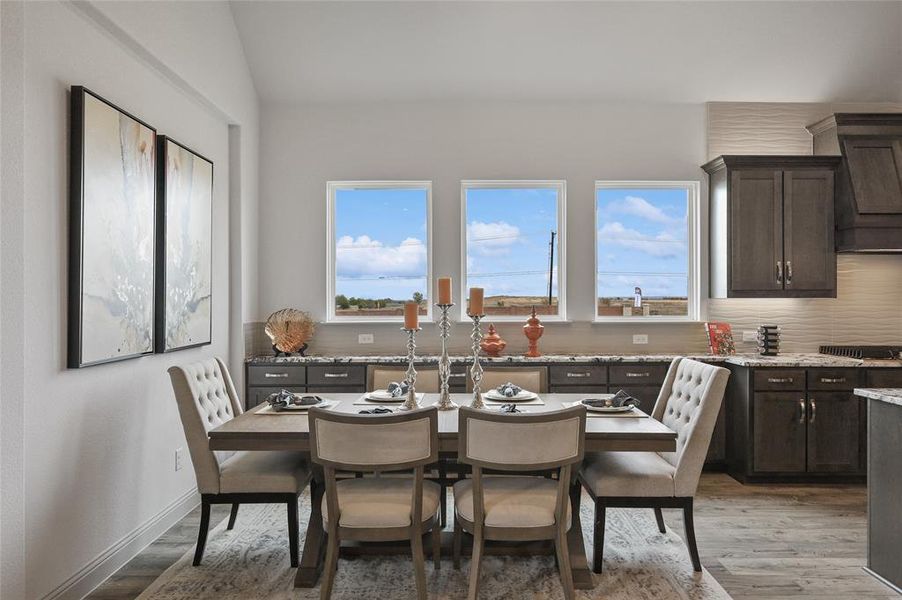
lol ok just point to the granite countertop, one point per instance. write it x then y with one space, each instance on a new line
888 395
793 360
548 358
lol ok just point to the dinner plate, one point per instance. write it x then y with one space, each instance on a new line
385 396
607 409
522 396
299 408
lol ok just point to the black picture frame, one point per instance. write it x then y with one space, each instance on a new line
76 327
162 258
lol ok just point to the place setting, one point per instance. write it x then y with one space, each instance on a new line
620 404
285 402
508 394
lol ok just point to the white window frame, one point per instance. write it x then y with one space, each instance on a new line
693 218
560 186
331 188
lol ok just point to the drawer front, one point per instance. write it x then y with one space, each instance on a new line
588 390
457 380
638 375
336 375
884 378
336 389
276 375
577 374
779 379
834 379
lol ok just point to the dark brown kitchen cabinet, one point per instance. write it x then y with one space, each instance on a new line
779 432
771 221
833 432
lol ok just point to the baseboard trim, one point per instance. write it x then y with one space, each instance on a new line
882 580
98 570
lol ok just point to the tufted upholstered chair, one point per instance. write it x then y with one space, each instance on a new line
688 403
206 399
378 378
517 507
378 509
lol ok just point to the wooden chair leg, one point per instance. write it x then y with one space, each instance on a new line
598 537
419 563
330 565
443 483
436 546
562 552
690 535
233 515
659 517
293 531
458 534
475 565
202 532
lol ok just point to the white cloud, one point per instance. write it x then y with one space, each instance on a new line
366 257
662 245
642 208
492 238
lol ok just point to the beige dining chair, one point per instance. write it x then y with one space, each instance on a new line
378 377
688 403
532 379
378 509
517 507
206 399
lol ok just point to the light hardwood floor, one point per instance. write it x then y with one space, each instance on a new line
759 541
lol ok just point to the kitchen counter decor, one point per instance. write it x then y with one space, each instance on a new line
533 331
289 330
492 344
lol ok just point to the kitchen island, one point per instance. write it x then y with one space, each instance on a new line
884 483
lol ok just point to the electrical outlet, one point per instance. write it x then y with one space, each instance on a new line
750 336
640 338
365 338
179 458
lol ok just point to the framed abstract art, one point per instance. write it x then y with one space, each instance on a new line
112 237
185 259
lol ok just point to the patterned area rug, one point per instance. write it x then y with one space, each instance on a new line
251 561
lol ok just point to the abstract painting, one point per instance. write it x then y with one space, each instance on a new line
184 287
112 241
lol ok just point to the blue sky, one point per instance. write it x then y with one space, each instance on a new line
642 241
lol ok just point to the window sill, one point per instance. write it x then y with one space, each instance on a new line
645 320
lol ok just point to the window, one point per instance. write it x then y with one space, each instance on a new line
647 250
513 246
379 236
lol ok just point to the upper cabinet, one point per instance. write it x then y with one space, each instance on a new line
772 226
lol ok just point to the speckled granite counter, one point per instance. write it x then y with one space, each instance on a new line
545 359
796 360
888 395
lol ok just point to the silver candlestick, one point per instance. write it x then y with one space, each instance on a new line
411 374
476 369
444 361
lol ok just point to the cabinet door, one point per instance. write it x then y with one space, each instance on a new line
756 232
877 163
833 432
779 432
808 249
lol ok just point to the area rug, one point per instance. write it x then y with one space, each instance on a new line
251 561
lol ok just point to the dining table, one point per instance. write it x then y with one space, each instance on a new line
260 429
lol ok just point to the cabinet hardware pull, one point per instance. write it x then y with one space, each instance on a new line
833 379
334 375
801 410
457 375
275 375
813 411
780 272
779 379
645 374
788 272
571 374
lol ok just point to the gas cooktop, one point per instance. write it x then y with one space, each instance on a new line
864 352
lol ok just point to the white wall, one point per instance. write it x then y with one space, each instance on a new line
98 443
303 146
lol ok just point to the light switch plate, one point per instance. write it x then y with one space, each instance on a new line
365 338
750 336
640 338
179 458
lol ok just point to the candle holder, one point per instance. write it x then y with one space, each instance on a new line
476 369
444 361
411 374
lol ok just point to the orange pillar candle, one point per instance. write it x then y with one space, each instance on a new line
411 315
444 290
476 301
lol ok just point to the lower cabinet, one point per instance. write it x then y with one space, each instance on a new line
779 432
833 433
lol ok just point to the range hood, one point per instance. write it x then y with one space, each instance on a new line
869 180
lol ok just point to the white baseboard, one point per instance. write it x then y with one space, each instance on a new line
113 558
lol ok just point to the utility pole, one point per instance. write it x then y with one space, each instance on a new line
550 265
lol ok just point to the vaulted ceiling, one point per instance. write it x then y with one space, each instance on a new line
611 51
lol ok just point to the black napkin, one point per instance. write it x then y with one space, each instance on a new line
375 411
397 389
283 399
621 398
509 390
509 408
